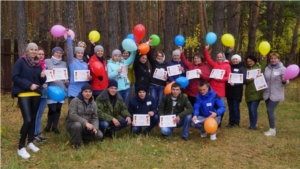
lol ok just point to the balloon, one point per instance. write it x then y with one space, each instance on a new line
94 36
139 32
179 40
58 30
167 89
97 68
155 40
56 93
129 45
130 36
211 38
227 40
183 81
264 48
291 71
210 125
72 34
143 48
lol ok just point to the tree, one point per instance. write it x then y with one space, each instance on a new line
43 20
202 24
101 24
21 27
218 26
57 12
70 15
270 21
88 20
113 25
233 19
253 25
169 29
124 18
294 41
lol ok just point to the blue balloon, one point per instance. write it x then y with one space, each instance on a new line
211 38
130 36
179 40
56 93
183 81
129 45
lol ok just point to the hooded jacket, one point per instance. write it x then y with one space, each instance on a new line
156 65
236 91
142 106
141 71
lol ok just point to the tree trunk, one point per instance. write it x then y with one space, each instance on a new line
205 16
279 26
124 19
253 25
294 42
21 27
113 26
88 16
57 13
233 19
270 21
183 19
70 15
202 26
101 26
43 20
218 26
169 32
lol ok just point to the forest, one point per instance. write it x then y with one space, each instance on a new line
250 22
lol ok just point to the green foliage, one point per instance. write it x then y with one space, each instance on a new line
193 41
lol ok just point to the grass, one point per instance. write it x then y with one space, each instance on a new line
234 148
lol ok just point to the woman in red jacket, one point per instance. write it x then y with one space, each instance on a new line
198 63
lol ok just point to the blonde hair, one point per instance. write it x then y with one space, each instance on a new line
275 55
82 43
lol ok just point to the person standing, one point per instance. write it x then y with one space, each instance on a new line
130 76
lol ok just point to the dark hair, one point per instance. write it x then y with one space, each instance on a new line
162 53
252 58
176 85
203 82
200 56
40 48
123 50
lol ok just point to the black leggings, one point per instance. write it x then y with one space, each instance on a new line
53 115
29 107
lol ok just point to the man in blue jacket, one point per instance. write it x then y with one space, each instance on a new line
208 104
143 104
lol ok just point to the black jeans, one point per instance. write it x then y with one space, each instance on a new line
53 115
29 107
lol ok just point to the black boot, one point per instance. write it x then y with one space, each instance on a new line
230 124
237 123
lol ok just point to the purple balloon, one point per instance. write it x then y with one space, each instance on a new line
291 71
58 31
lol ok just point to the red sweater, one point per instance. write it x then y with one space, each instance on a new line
192 88
218 85
96 83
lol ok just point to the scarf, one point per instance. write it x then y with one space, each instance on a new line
31 62
55 61
43 64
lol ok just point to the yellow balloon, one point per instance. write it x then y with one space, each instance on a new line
94 35
264 48
227 40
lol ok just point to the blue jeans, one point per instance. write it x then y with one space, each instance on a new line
103 125
130 95
124 94
153 123
253 115
200 126
234 109
157 92
39 115
185 122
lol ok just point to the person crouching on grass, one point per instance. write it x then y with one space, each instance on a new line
82 121
208 104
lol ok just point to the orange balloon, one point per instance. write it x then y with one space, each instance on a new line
167 89
210 125
144 48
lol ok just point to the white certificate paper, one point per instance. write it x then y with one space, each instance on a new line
253 73
159 74
174 70
60 73
193 74
124 72
141 120
217 73
235 78
81 75
50 76
260 83
167 121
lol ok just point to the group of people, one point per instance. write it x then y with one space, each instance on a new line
107 102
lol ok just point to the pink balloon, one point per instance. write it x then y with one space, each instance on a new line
72 34
291 71
58 30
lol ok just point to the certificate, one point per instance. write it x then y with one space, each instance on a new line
167 121
160 74
260 83
50 76
174 70
235 78
141 120
124 72
81 75
217 74
193 74
60 73
253 73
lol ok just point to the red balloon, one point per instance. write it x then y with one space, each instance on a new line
144 48
97 68
139 32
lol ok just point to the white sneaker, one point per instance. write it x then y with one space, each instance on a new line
32 147
23 153
270 132
213 136
203 135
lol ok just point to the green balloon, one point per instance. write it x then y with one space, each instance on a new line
155 40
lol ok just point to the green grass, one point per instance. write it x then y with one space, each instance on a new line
234 148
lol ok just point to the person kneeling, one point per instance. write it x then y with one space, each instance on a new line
143 104
82 121
208 104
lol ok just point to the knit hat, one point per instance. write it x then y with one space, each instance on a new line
97 47
142 87
116 52
112 83
57 49
86 87
176 52
31 45
236 56
79 49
